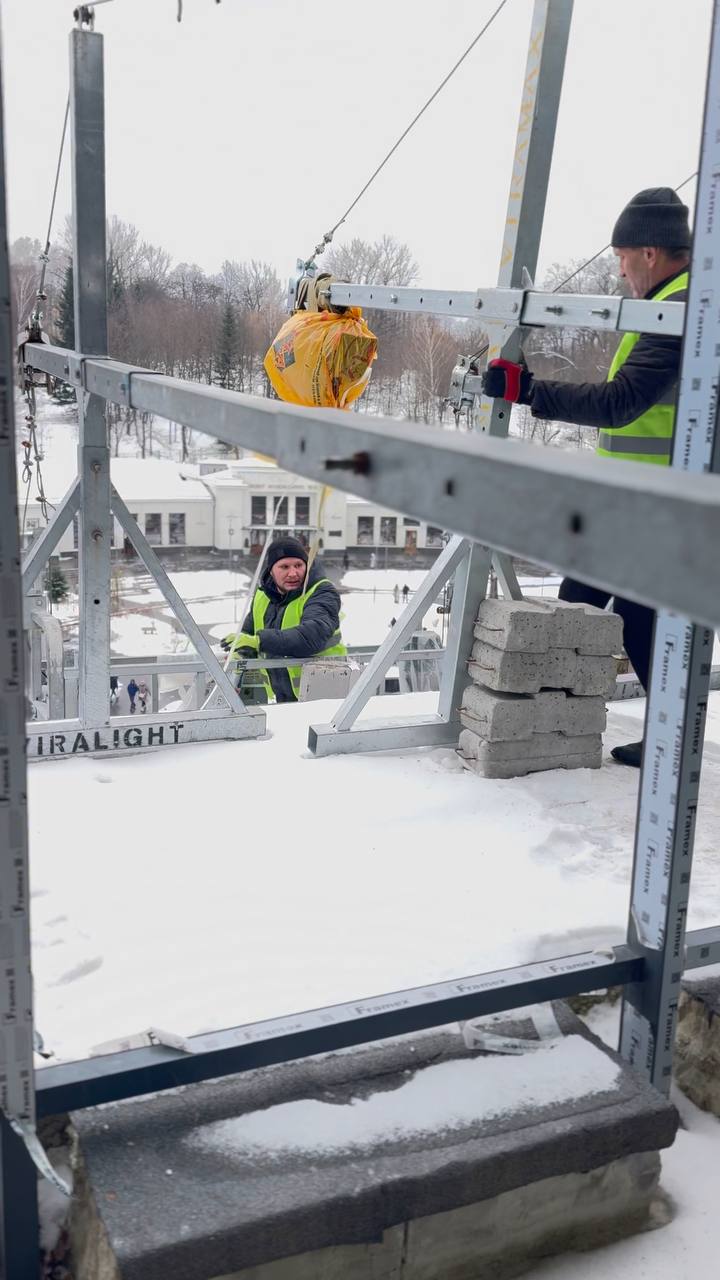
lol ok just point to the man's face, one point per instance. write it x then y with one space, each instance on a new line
288 574
638 267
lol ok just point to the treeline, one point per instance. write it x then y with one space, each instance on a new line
216 328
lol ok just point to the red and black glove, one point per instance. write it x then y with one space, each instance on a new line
505 380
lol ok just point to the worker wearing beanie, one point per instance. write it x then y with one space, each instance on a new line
635 408
294 614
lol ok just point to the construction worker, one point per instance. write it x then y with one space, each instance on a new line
635 408
294 614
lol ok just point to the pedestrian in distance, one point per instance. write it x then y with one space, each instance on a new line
345 561
132 693
634 410
396 594
113 690
143 694
405 593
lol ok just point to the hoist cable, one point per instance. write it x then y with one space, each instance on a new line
484 349
45 255
605 248
329 234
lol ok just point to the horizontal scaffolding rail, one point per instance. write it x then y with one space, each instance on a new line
132 1072
582 519
520 306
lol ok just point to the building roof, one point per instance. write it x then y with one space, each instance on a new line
136 480
143 479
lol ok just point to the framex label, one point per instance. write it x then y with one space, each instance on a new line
105 739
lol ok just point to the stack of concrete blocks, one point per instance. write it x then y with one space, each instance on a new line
541 673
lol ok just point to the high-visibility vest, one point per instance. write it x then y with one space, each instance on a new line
291 618
648 438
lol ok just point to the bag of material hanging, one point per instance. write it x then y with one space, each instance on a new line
319 358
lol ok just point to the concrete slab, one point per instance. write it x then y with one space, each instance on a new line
516 758
501 716
525 626
407 1205
516 672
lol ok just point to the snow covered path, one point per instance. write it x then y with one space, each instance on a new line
223 883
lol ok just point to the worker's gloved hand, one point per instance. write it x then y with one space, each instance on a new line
505 380
242 644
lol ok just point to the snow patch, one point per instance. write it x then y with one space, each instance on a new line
447 1096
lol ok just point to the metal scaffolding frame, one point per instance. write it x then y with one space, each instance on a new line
476 485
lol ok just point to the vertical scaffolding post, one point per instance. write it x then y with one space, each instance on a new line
682 655
19 1242
89 275
542 85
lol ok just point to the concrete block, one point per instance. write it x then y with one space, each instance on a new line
502 716
696 1060
525 626
485 1198
496 1239
543 751
518 672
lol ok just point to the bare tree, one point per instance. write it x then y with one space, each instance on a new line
386 262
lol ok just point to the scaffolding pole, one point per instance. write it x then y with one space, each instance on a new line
19 1246
681 662
87 113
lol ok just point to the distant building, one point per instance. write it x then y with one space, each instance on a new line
231 507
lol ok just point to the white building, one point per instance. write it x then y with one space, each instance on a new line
231 507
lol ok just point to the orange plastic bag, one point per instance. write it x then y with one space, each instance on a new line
319 358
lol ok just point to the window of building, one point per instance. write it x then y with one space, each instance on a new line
153 528
281 514
366 531
434 536
335 533
388 531
302 511
177 528
258 510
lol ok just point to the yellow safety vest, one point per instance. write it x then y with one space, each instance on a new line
648 438
291 618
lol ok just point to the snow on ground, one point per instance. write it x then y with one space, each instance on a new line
194 585
366 618
209 885
218 884
138 634
383 579
448 1095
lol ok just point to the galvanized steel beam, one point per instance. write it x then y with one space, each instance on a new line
682 658
622 527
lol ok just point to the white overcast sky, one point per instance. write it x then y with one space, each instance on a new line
246 130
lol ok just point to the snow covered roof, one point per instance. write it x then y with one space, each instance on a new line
142 479
136 479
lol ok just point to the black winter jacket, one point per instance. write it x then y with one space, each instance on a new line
320 619
648 377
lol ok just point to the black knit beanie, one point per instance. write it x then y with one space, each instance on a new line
656 218
285 548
